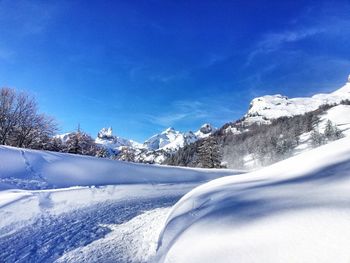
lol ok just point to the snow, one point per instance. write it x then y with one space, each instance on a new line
296 210
30 169
63 137
338 115
205 131
106 139
139 237
170 139
57 207
263 109
119 221
155 149
81 208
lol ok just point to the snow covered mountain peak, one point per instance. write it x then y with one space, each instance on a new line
111 142
265 108
105 133
169 139
169 130
205 130
172 140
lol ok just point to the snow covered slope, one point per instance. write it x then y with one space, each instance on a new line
106 215
297 210
338 115
263 109
30 169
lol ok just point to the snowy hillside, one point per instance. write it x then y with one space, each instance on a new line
269 107
340 116
296 210
30 169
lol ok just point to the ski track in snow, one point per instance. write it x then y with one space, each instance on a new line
50 237
137 241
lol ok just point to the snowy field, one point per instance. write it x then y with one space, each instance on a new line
70 208
297 210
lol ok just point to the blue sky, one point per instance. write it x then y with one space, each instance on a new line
141 66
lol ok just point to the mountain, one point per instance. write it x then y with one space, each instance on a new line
263 109
205 131
107 140
155 149
169 140
274 128
302 116
172 140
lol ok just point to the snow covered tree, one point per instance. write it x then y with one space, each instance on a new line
102 153
55 145
80 142
209 155
332 132
317 138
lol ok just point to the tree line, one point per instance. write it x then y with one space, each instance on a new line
256 144
22 125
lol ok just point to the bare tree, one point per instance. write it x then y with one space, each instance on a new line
20 123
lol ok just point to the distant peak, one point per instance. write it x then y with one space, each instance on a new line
349 79
206 128
170 129
105 133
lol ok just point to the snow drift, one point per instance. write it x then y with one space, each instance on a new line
30 169
297 210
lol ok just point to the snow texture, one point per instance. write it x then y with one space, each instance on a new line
296 210
30 169
85 224
111 210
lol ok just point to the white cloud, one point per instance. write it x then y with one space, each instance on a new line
275 41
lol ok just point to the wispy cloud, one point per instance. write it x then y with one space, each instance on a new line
213 110
275 41
329 22
179 111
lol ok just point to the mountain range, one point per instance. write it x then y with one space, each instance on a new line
155 149
262 111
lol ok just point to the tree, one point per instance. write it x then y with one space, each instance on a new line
20 123
80 142
332 132
317 138
209 155
55 144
